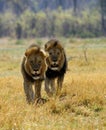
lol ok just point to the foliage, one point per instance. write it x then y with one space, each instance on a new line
51 24
19 6
45 18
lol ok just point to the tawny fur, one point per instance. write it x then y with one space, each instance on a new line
33 69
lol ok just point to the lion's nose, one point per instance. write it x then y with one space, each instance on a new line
36 67
54 58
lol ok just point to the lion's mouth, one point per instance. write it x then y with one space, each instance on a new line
36 76
54 66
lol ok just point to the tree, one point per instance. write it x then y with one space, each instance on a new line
103 15
75 6
18 31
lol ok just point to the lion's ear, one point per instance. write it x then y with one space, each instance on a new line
31 50
44 53
45 46
47 54
26 53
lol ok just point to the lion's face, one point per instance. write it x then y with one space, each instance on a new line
56 55
35 63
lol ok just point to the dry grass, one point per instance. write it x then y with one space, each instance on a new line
82 105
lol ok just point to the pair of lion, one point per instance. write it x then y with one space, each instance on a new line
37 66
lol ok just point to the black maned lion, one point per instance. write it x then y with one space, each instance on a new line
57 66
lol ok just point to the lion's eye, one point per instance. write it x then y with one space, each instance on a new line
39 62
31 62
50 53
58 53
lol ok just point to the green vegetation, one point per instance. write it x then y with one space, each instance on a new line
56 23
55 18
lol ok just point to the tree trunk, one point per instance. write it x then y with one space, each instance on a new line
75 6
103 16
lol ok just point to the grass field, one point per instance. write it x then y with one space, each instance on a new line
82 105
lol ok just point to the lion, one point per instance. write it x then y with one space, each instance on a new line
33 69
57 66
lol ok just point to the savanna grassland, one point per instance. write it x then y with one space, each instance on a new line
82 104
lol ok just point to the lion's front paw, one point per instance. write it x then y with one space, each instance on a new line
40 101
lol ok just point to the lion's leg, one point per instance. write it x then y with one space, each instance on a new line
59 84
38 89
38 98
47 89
29 92
52 82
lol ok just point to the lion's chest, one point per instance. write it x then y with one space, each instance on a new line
54 74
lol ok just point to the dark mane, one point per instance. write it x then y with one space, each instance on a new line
55 44
53 74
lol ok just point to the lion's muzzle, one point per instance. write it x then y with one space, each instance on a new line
54 58
36 75
54 66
